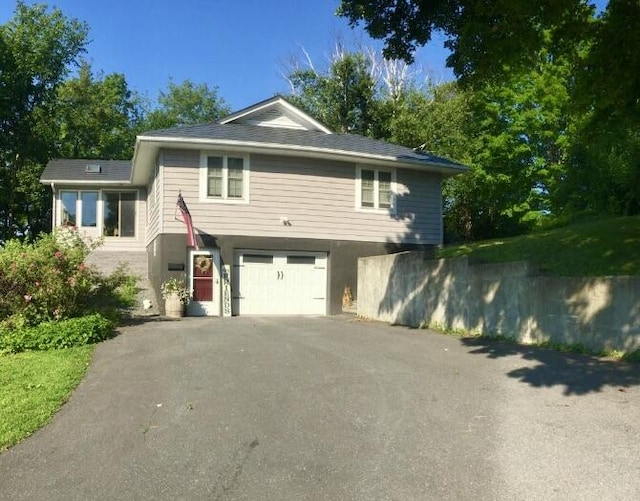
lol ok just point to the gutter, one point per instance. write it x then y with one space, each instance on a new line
53 212
71 182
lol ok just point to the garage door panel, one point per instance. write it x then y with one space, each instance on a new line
280 283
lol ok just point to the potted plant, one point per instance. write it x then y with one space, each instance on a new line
176 296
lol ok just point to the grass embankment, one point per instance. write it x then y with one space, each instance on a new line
33 386
598 247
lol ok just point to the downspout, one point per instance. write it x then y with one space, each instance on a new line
53 212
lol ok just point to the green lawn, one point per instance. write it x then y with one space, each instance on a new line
598 247
33 386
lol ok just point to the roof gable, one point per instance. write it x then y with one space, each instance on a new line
275 112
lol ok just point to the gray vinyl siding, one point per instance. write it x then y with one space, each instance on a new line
317 196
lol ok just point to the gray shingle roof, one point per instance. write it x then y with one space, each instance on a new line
347 143
76 170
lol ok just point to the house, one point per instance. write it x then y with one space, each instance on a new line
281 208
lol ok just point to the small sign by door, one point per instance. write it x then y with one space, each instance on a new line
226 290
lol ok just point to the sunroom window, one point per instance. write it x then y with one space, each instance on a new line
69 202
79 208
89 206
119 214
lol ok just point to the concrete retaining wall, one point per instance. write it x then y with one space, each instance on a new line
511 299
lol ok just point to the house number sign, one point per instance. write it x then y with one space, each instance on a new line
226 290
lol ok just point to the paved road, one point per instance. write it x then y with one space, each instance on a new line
332 408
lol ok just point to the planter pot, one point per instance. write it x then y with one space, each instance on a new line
173 307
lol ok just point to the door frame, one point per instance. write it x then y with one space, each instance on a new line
206 308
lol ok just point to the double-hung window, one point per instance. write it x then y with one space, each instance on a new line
224 177
375 189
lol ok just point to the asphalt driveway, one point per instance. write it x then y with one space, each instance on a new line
332 408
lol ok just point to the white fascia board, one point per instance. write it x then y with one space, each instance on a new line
96 182
142 159
136 148
285 149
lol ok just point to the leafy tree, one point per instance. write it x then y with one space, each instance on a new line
184 104
96 116
435 118
486 38
523 129
37 49
343 98
604 169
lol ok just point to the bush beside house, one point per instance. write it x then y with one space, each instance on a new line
52 298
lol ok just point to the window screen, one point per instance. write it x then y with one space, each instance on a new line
214 176
367 178
384 189
235 168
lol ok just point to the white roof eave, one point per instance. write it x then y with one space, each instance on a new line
257 147
95 182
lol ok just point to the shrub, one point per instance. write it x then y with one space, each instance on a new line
46 280
50 298
56 334
114 293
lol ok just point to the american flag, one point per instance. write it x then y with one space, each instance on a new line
192 241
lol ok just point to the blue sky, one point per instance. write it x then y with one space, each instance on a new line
240 46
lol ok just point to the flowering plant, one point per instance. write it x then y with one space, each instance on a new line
48 279
176 288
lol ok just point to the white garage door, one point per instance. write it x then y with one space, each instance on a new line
280 283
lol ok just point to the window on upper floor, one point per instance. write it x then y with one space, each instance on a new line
79 208
375 189
224 178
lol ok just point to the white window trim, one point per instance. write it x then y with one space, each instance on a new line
225 180
376 209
